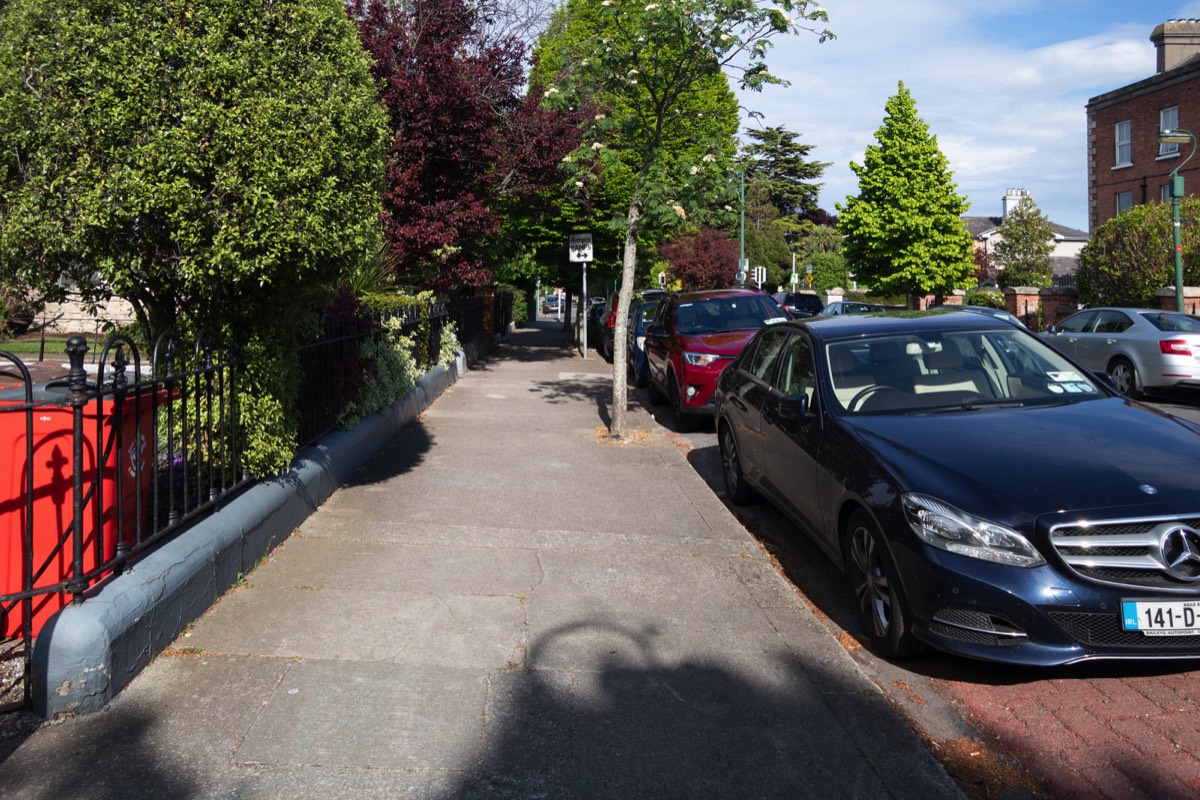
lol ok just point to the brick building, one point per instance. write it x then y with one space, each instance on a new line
1126 163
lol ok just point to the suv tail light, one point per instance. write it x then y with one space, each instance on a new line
1174 347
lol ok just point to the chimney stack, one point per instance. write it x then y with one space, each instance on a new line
1011 198
1176 40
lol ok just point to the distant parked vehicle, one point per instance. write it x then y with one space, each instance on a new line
641 314
691 339
1142 349
851 307
800 304
550 304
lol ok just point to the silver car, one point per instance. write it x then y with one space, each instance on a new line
1141 348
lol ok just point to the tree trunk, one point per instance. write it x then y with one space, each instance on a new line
621 325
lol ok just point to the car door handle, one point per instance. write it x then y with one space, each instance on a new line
1110 341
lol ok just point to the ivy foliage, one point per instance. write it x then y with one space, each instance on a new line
904 230
1129 258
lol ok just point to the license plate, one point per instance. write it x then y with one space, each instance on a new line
1159 618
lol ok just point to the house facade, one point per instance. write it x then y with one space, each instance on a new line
1127 165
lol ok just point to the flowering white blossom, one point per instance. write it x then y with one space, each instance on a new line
708 158
693 170
597 146
729 208
652 7
550 91
679 211
601 116
567 159
632 72
579 184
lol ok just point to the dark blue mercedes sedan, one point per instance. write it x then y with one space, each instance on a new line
985 494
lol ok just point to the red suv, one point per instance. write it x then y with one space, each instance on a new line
691 339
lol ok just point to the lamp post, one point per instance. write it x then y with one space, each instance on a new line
1177 136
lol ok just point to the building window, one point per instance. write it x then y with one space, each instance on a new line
1168 120
1124 202
1124 138
1164 193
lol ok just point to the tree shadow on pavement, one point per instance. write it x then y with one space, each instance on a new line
112 755
595 714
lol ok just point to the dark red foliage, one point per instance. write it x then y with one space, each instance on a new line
448 92
707 260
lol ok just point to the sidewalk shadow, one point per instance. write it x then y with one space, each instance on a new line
632 727
123 739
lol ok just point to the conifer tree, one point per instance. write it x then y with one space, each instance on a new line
904 230
1023 253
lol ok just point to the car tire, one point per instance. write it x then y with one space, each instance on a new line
736 488
684 422
878 596
1124 376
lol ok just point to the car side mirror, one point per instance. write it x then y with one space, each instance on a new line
793 407
1103 377
1052 329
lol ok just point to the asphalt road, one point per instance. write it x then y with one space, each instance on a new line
1105 730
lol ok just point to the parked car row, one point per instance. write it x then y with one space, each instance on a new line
901 445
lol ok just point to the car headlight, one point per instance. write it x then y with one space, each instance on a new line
700 359
956 531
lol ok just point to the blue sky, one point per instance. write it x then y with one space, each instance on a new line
1003 87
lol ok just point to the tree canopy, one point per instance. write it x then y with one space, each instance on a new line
904 230
1129 258
212 161
649 68
1027 240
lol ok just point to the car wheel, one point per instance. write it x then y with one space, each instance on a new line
877 593
736 487
684 422
1124 376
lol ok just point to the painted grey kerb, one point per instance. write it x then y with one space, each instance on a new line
89 652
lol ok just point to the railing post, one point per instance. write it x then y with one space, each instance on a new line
77 386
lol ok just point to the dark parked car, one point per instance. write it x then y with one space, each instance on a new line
595 314
985 494
800 304
641 314
610 318
840 307
690 340
1141 348
998 313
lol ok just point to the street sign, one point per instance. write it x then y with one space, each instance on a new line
760 275
580 247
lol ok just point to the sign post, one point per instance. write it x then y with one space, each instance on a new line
579 248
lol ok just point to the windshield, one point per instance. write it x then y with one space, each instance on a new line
744 312
928 371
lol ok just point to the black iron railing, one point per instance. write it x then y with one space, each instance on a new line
106 462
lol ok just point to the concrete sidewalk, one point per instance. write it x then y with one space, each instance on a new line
500 605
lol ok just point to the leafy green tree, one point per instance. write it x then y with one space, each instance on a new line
213 163
903 230
649 64
829 271
777 160
1129 258
1023 253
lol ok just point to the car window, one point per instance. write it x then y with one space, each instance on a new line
762 361
718 314
1173 323
1112 322
796 375
920 373
1078 323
